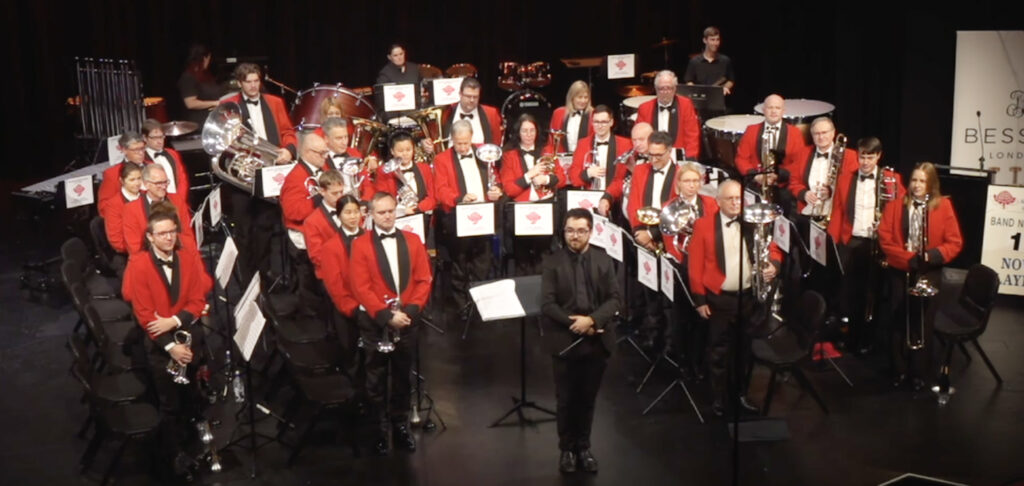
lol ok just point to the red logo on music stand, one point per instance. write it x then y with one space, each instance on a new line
279 178
1004 199
647 267
615 240
782 230
599 229
533 217
474 217
407 228
79 189
448 90
818 241
621 64
398 95
586 204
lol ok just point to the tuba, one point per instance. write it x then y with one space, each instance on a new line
406 195
224 132
762 215
491 154
676 219
922 288
366 134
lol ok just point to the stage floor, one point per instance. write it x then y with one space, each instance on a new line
873 434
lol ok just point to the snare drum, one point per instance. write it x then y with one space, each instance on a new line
536 74
801 113
461 70
525 101
509 79
306 110
724 133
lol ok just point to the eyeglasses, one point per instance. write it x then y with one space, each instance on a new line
577 232
602 122
136 150
657 156
159 183
166 234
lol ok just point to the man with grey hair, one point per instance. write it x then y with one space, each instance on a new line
133 147
335 132
461 178
136 213
672 113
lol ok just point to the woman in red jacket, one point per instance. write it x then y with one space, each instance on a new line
918 237
112 212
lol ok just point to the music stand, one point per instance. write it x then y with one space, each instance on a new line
706 99
527 290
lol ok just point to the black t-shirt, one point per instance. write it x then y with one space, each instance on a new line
190 85
700 71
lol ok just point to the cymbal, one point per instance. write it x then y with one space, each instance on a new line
665 41
179 128
630 90
648 75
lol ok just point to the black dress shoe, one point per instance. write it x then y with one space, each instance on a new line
402 438
745 405
380 448
899 380
587 461
717 408
567 462
918 384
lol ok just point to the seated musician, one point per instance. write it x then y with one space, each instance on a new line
113 223
579 297
297 203
773 136
136 213
524 178
717 285
170 159
329 231
593 162
861 198
687 333
711 67
673 114
574 118
166 285
485 119
398 70
377 274
133 147
461 178
337 138
418 177
925 216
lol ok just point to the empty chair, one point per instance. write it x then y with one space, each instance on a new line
965 320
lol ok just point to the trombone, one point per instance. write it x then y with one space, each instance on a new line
922 288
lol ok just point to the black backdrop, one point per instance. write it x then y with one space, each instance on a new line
887 68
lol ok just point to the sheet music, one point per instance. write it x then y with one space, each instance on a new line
248 319
497 300
226 263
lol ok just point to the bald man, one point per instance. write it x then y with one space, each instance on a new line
774 135
298 202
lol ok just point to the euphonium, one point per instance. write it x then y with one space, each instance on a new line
676 219
821 213
173 366
922 288
491 154
223 131
762 215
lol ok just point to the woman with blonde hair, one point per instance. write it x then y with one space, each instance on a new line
575 118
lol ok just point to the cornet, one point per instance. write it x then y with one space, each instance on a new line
387 342
491 154
175 368
651 216
547 167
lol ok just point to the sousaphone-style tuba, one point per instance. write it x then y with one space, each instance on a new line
224 132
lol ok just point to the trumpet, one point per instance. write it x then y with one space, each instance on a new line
390 337
491 154
175 368
406 195
922 288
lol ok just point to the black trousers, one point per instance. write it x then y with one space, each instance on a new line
913 313
727 319
861 289
256 223
379 365
347 332
577 381
471 262
312 301
178 404
687 332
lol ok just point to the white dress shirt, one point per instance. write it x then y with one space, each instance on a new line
256 117
864 207
478 130
472 176
391 253
172 187
731 241
572 130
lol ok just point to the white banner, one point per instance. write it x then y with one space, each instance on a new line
615 241
273 178
446 90
819 244
668 287
1002 249
534 219
988 104
215 207
413 224
474 219
781 236
621 66
647 268
400 97
582 199
78 191
599 234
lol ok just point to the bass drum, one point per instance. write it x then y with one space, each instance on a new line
526 101
306 114
724 134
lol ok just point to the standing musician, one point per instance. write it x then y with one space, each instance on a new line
113 223
463 179
330 230
580 296
711 68
255 219
593 162
717 278
166 285
688 333
782 140
673 114
297 203
388 263
810 184
336 135
169 159
652 187
861 198
416 176
573 119
485 119
133 147
923 216
136 213
616 195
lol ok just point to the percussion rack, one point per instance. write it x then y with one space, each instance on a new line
109 95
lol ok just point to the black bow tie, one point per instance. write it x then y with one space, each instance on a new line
731 221
338 156
161 153
531 153
463 116
866 177
820 155
393 234
466 156
918 204
771 128
598 144
166 263
406 171
665 108
659 171
577 113
255 102
332 212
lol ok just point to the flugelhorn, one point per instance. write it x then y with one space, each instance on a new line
547 167
651 216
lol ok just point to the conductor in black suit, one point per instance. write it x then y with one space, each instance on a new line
580 295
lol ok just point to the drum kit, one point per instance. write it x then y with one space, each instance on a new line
519 78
